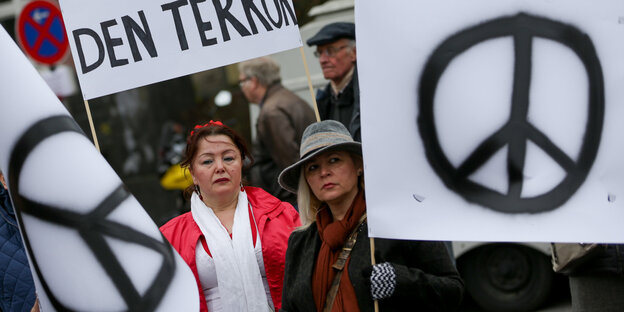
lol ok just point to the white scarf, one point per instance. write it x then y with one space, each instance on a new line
238 274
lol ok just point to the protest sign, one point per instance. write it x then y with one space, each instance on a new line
119 45
493 121
90 244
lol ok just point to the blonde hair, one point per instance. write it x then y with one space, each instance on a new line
307 202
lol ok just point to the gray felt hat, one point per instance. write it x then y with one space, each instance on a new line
324 136
332 32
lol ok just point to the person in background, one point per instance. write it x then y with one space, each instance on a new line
328 261
340 99
598 283
282 119
234 238
16 286
173 178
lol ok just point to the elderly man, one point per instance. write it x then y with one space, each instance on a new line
283 117
340 99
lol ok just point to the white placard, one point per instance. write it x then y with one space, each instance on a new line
119 45
492 120
90 244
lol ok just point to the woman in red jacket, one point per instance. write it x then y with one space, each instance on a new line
234 238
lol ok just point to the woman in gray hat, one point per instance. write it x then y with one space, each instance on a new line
411 275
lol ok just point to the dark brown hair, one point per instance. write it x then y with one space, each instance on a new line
210 129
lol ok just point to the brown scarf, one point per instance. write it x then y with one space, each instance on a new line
333 235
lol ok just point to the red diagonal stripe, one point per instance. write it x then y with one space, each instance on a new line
44 32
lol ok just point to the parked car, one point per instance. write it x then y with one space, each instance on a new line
506 276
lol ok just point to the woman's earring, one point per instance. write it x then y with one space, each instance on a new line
198 192
359 173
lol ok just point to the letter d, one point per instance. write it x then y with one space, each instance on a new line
83 63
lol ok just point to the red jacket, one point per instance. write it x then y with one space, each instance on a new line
275 220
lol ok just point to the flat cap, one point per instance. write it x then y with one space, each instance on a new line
332 32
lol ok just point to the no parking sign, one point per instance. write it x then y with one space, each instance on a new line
41 32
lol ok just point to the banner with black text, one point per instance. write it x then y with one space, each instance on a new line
119 45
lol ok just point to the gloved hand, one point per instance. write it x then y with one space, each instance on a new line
383 280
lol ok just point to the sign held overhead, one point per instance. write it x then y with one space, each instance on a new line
117 43
505 120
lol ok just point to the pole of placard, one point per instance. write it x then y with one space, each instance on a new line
307 71
95 140
372 246
318 118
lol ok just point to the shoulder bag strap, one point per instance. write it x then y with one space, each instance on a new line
340 263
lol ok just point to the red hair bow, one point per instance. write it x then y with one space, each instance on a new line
215 123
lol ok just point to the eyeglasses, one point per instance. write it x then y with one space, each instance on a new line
330 51
242 81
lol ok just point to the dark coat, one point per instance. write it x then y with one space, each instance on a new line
282 119
16 282
344 107
427 280
608 261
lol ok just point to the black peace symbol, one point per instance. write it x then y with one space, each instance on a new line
517 130
91 226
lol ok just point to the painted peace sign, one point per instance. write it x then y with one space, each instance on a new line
93 227
515 133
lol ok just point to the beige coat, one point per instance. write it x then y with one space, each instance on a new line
283 117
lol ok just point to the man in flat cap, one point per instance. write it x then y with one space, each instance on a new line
340 99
